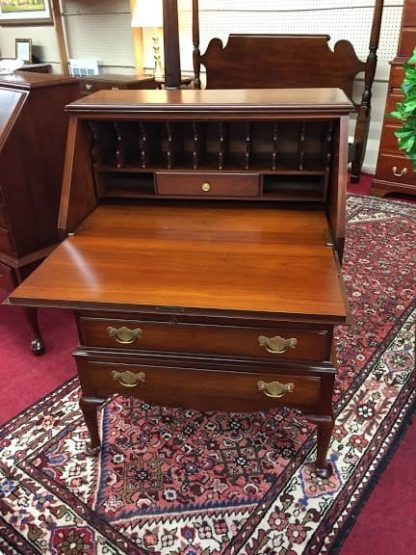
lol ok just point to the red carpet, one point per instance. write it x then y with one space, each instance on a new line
26 378
385 524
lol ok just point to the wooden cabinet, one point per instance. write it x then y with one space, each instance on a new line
33 129
202 258
394 173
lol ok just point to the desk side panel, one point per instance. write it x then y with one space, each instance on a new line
79 196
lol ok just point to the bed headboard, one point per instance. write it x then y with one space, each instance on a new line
280 61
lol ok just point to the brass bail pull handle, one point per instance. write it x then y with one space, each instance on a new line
277 345
399 173
275 389
124 335
128 378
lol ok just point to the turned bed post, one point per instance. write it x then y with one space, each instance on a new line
364 110
196 54
171 44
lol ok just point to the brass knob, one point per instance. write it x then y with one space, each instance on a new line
124 335
400 173
128 378
206 187
275 389
277 345
88 86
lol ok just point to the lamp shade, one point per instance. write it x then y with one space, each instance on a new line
148 13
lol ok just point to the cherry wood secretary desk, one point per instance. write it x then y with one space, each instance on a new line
204 231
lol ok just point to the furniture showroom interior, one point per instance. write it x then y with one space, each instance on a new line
207 277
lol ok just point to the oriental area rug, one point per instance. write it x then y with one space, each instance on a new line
178 482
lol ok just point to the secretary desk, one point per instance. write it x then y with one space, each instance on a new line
203 230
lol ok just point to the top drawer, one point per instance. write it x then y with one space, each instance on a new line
278 343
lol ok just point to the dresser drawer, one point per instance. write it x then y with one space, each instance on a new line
199 184
391 104
388 142
7 278
6 240
395 168
302 344
396 76
200 388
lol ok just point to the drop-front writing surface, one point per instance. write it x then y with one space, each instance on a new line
215 258
204 233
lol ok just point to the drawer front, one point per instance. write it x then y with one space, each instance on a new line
396 76
200 389
302 344
395 168
391 103
409 14
6 241
7 278
407 42
388 141
200 184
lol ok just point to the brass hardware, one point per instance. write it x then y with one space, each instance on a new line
206 187
88 86
277 345
275 389
124 335
129 379
400 173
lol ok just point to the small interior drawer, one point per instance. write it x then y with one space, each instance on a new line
200 184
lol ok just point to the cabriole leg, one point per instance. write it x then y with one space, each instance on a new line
89 406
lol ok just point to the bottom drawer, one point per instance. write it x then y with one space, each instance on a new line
396 169
202 389
7 278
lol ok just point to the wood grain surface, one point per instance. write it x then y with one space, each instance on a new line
216 257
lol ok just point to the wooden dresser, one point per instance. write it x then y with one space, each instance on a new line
33 128
204 229
394 173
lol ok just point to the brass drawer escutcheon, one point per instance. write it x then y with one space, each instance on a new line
128 379
125 335
206 187
275 389
277 345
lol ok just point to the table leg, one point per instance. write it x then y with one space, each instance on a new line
37 345
89 406
325 426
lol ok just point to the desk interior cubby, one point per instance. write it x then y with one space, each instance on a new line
287 160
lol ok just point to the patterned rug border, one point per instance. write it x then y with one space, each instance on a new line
382 466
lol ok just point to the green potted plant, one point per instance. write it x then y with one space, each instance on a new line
406 111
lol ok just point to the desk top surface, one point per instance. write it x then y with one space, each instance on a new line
328 100
214 258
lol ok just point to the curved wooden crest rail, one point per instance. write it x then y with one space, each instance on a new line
291 61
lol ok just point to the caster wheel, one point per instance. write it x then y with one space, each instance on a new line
37 346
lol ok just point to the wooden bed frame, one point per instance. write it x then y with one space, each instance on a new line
280 61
